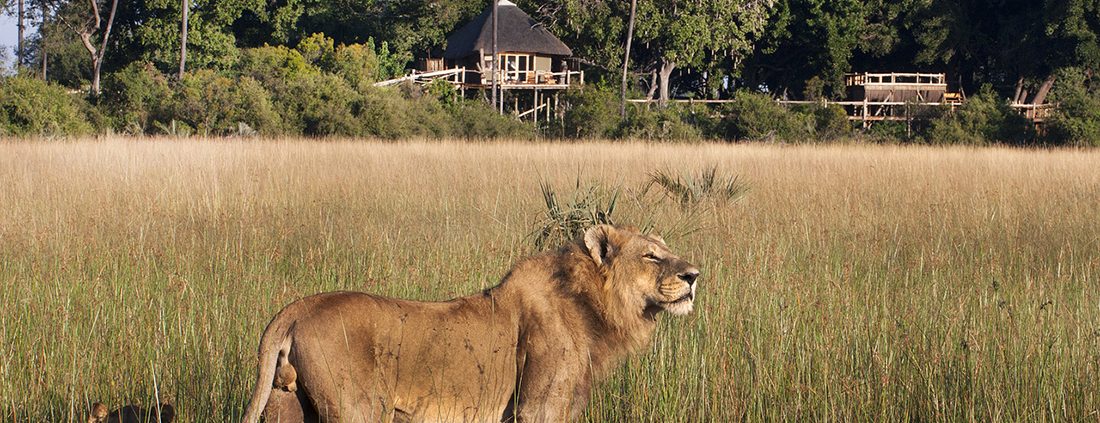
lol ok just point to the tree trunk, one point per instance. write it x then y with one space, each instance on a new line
1016 99
97 63
652 85
183 39
86 39
626 57
1041 95
667 66
19 43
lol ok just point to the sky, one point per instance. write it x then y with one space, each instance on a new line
9 34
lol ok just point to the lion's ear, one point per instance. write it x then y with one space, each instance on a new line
597 240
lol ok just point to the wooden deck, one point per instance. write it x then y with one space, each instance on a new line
464 78
878 111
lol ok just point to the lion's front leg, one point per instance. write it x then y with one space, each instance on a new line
553 388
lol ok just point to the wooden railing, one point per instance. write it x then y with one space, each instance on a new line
534 77
858 79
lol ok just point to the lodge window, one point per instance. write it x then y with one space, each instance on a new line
517 67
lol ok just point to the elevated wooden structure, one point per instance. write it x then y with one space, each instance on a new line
534 66
898 87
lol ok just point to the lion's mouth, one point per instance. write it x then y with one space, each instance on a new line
687 297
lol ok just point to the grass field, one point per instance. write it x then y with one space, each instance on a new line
851 283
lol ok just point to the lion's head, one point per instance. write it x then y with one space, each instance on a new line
642 270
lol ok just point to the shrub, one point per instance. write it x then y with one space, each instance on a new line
830 122
356 63
757 117
215 104
592 112
1077 119
274 66
30 106
669 123
135 97
385 113
567 220
475 119
689 190
320 104
983 119
318 50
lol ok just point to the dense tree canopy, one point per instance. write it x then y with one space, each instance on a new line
1023 50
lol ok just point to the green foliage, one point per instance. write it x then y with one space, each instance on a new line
566 221
319 104
809 45
215 104
982 119
1077 119
442 91
474 119
273 66
755 116
136 97
830 122
31 107
669 123
357 63
591 112
318 50
391 63
689 191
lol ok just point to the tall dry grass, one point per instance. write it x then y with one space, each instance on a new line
849 283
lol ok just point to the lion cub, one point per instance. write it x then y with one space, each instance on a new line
132 414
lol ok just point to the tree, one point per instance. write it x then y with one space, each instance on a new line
699 34
1016 45
86 21
626 57
811 41
150 31
183 38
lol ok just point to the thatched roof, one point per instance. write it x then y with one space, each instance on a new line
516 32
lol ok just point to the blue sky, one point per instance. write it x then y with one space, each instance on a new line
9 33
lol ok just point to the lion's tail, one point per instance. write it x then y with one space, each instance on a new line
275 341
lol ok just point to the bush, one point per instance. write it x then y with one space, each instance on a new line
356 63
136 97
1077 119
592 112
670 123
215 104
318 50
274 66
830 122
320 104
30 106
475 119
982 119
756 116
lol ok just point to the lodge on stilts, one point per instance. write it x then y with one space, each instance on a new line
893 96
534 65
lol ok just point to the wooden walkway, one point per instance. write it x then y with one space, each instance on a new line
877 111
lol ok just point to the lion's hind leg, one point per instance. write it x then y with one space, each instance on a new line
289 407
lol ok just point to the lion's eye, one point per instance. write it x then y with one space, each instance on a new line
651 257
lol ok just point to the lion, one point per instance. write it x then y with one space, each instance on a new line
528 349
162 413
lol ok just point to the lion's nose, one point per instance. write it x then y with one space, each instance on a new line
689 276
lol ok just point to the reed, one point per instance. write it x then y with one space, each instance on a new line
850 283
